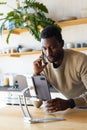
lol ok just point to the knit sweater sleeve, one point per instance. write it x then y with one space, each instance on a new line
81 101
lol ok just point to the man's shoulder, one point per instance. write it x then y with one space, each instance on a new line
75 56
74 53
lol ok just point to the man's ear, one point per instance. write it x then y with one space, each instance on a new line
62 43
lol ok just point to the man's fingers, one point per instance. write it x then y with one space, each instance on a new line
44 65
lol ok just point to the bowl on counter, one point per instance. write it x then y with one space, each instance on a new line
25 49
67 18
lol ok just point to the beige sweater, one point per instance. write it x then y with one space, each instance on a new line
71 77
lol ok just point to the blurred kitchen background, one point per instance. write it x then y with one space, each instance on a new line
60 10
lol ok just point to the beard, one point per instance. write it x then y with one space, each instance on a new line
55 58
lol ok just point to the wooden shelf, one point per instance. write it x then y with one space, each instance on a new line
20 54
61 24
24 53
16 31
36 52
73 22
80 49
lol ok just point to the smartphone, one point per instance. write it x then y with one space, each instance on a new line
42 87
44 58
42 55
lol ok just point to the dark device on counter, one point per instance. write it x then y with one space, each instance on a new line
40 88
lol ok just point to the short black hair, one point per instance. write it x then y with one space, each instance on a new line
51 31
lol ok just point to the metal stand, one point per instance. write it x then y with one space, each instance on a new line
27 115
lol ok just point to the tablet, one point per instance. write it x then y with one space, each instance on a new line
40 87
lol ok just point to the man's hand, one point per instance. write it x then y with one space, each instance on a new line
57 104
39 66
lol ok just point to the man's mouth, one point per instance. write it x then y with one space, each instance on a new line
51 58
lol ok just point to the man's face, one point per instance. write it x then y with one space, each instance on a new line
52 49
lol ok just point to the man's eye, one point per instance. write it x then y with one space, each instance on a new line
53 47
44 49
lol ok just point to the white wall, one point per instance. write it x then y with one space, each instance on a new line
61 8
58 9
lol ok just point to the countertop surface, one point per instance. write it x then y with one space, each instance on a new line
11 118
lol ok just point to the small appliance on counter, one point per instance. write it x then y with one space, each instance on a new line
11 91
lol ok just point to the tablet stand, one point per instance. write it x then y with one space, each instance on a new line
26 112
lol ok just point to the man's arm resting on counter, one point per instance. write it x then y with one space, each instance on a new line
81 101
